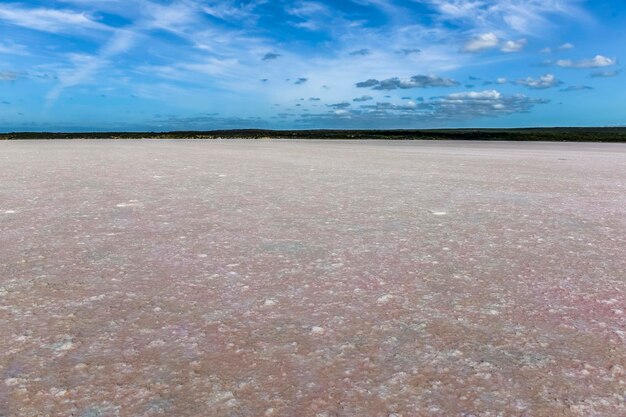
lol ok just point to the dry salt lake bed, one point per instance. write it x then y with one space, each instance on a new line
312 278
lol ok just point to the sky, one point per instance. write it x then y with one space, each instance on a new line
155 65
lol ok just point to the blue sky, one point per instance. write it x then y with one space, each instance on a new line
72 65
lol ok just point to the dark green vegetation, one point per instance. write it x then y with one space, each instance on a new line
609 134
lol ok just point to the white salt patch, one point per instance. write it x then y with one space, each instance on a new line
317 330
438 213
157 343
202 255
57 392
11 381
384 299
10 212
270 302
131 203
66 345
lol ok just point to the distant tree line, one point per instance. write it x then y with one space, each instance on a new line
608 134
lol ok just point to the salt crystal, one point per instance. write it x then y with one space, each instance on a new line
317 330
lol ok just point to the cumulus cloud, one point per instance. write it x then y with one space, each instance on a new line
416 81
456 106
481 43
513 46
487 103
363 98
543 82
301 81
596 62
369 83
270 56
314 99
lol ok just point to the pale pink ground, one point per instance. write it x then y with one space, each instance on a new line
278 278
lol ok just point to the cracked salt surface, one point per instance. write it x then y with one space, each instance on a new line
322 293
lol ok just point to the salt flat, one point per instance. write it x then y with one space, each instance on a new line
282 278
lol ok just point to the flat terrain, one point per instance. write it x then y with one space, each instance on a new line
296 279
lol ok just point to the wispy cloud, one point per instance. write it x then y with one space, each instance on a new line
573 88
12 48
48 20
605 74
9 75
410 51
361 52
523 17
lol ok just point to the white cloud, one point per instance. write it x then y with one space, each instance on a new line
11 48
543 82
527 16
9 75
598 61
605 74
437 110
481 43
48 20
475 95
416 81
513 46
